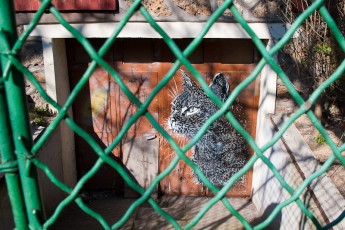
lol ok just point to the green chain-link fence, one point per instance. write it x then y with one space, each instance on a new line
18 153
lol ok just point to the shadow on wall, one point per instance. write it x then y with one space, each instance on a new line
295 162
276 222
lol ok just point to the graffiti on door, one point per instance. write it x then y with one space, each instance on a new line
221 151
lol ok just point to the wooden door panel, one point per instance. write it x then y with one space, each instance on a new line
245 110
104 93
140 144
140 84
93 110
181 181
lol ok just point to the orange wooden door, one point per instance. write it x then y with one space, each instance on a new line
102 109
140 146
94 110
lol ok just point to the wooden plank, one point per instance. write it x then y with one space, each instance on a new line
140 84
70 5
140 157
95 113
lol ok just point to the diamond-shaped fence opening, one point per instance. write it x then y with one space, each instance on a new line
19 154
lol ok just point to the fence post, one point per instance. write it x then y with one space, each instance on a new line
18 116
8 159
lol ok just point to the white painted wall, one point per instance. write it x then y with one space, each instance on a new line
57 83
173 29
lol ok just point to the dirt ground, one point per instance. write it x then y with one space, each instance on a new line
334 126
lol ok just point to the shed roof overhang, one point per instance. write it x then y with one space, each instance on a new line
175 30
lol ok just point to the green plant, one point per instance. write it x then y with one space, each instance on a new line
320 139
40 120
42 111
39 115
323 48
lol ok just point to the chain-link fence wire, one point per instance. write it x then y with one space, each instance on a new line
29 154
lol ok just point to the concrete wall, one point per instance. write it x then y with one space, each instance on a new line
57 87
294 161
51 155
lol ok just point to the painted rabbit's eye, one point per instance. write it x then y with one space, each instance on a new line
192 110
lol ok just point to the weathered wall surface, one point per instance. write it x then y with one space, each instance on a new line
171 10
31 56
250 9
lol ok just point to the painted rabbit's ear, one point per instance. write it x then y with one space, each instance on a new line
187 81
220 86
